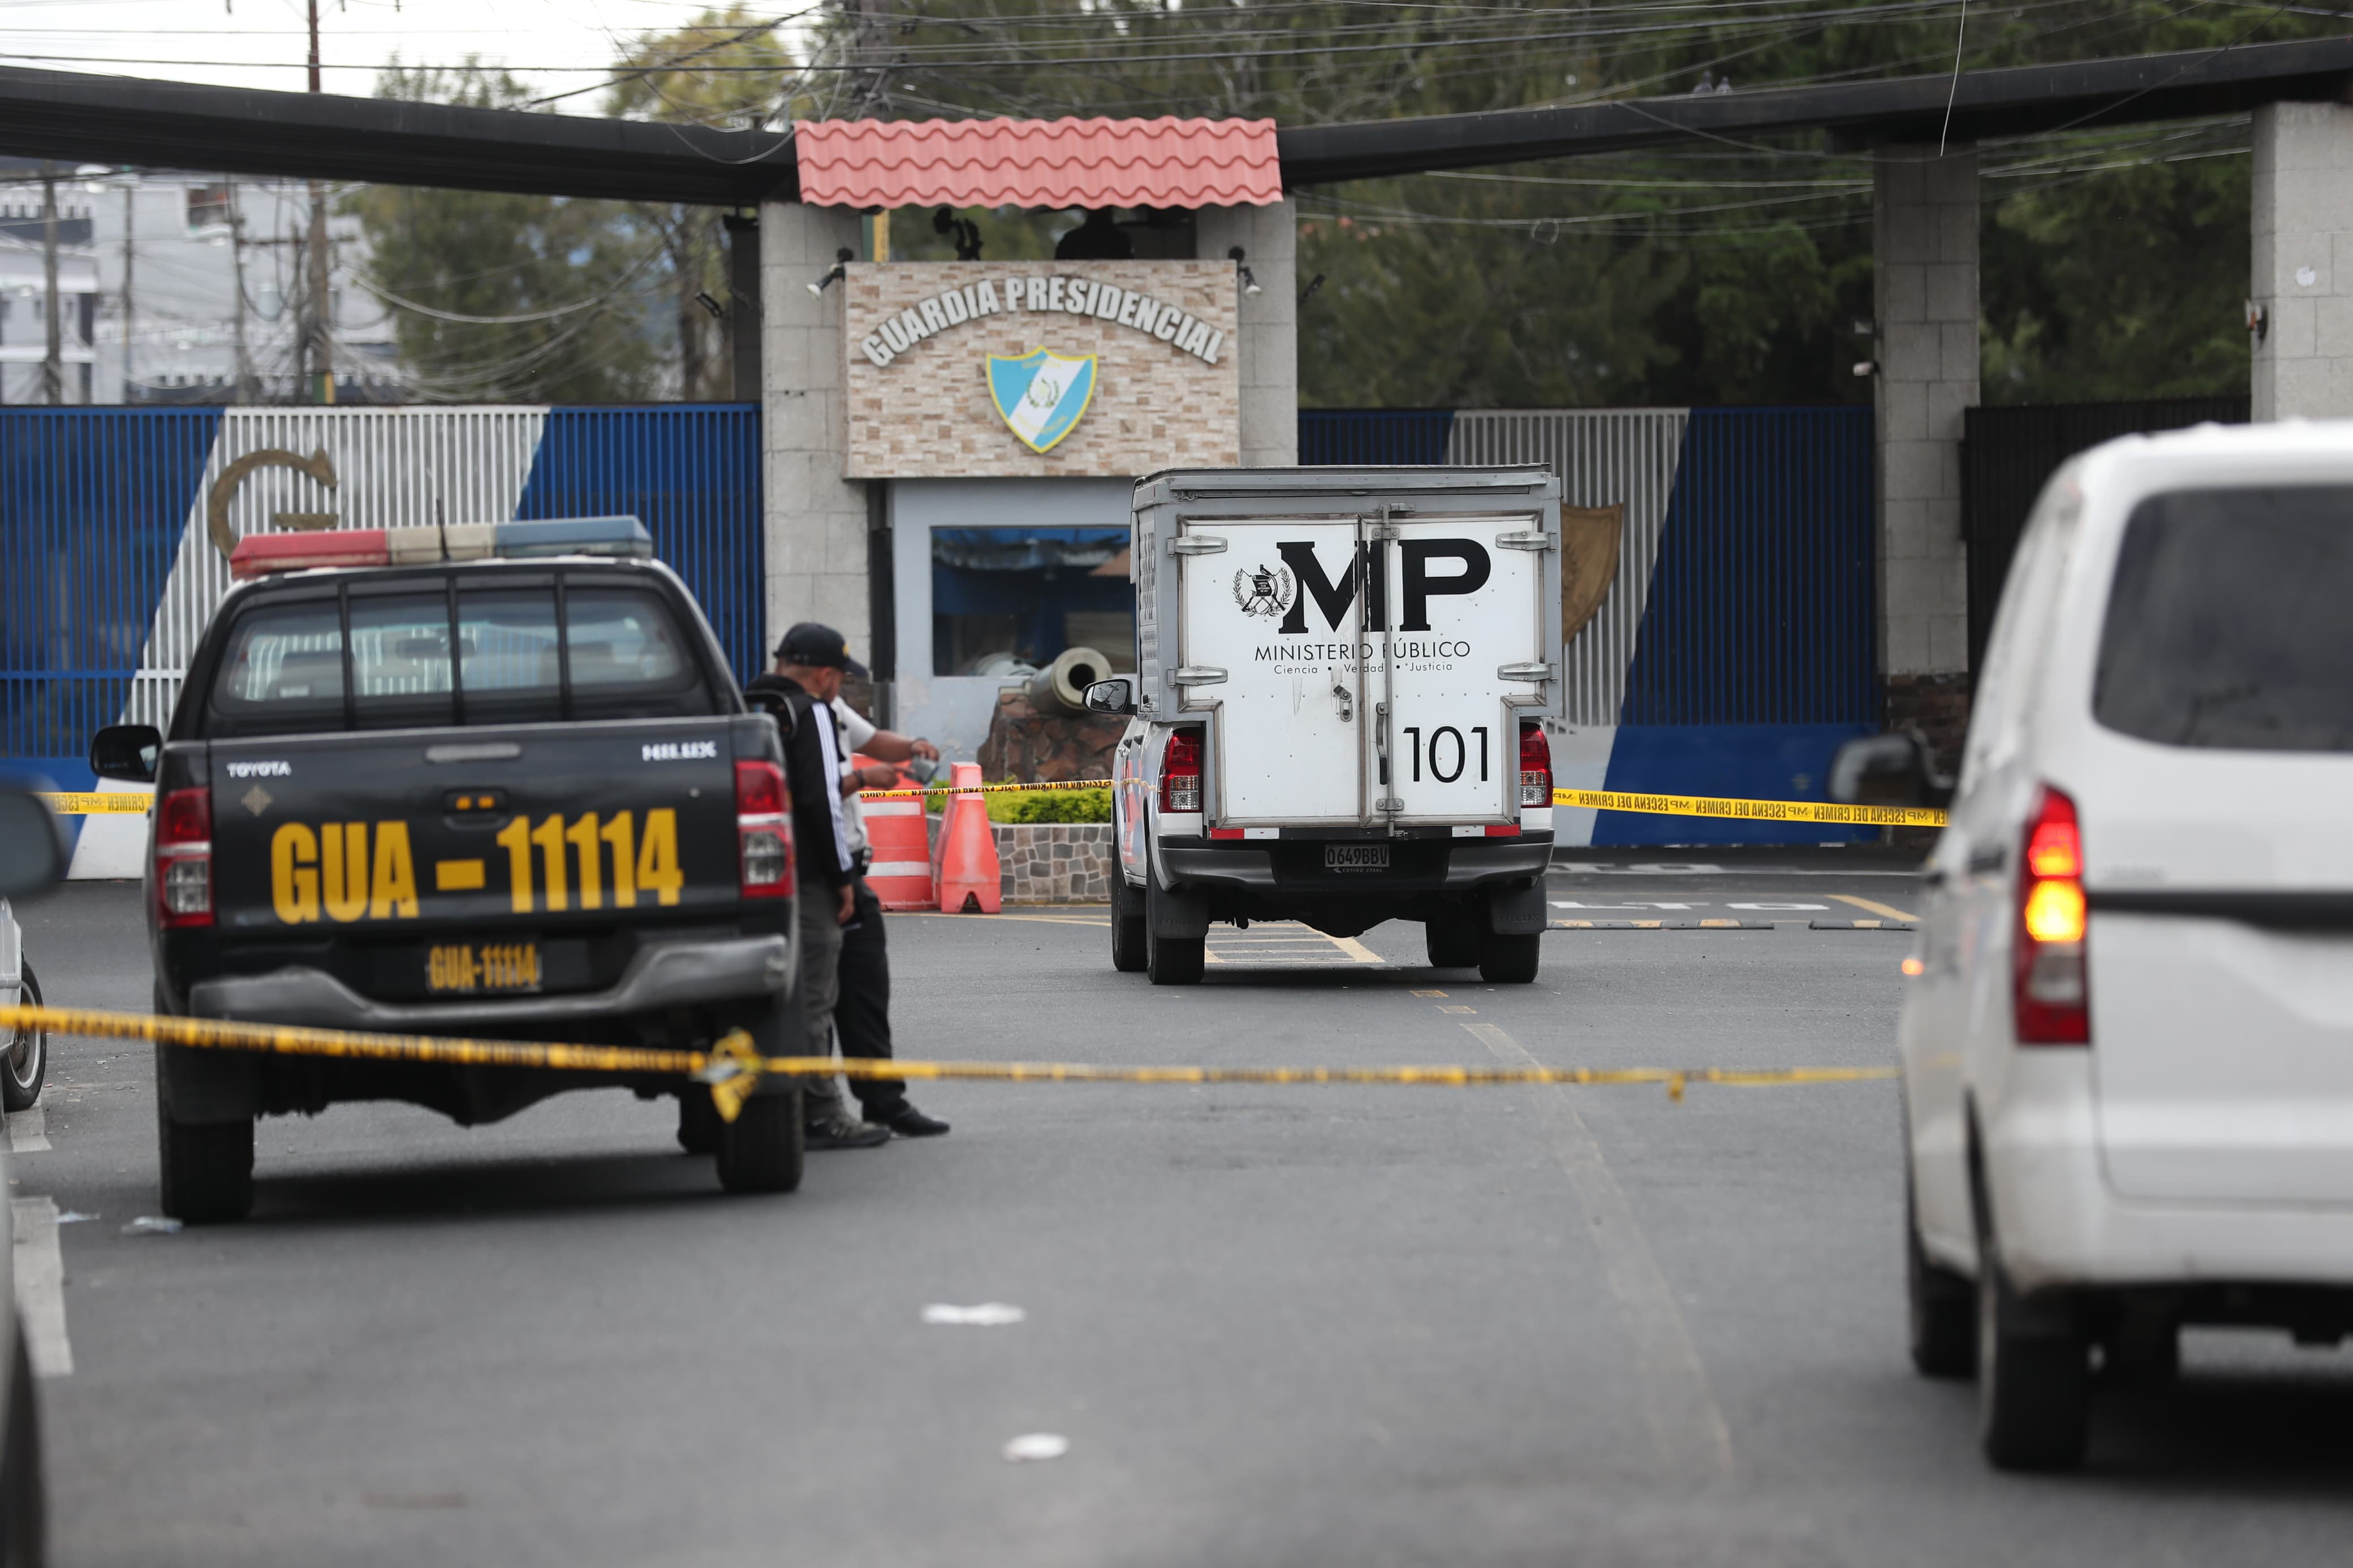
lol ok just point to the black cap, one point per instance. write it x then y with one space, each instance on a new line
819 646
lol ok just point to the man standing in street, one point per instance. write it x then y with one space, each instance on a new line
862 1016
810 663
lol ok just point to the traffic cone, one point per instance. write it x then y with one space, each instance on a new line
971 882
900 871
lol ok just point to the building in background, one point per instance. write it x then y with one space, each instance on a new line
179 288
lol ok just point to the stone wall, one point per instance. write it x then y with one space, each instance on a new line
1036 748
1054 862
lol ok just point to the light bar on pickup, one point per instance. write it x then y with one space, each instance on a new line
264 554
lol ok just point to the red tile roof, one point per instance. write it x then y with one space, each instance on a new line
1162 163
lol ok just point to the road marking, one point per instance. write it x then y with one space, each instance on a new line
1041 920
1887 911
1686 1428
40 1271
1271 942
28 1130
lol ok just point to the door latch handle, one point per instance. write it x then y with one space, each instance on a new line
1346 700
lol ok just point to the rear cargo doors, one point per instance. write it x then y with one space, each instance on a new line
1364 670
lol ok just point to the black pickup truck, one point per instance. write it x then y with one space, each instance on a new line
514 798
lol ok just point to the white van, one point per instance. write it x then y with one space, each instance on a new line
2128 1048
1338 714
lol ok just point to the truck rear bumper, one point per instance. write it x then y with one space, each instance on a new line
668 975
1465 864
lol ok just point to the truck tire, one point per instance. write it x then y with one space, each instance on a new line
698 1121
1127 955
26 1063
1942 1308
1509 960
207 1169
761 1150
1171 960
1451 939
24 1505
2034 1381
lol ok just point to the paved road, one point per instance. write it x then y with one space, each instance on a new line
1277 1326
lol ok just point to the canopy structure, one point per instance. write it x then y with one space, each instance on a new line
1159 163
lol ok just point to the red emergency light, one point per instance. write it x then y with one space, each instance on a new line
260 555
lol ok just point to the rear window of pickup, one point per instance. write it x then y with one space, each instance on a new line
2227 623
422 654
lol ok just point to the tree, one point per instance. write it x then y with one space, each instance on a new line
724 67
506 297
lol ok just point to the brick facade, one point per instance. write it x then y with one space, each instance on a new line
927 414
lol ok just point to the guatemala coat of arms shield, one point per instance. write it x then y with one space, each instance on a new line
1041 395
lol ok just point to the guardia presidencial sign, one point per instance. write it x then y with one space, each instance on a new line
1023 369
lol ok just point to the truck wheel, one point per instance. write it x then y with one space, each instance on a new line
1942 1308
1508 960
207 1169
1127 953
2034 1382
1451 939
698 1121
761 1150
27 1060
1172 960
23 1524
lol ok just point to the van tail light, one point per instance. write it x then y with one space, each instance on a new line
763 831
184 858
1180 772
2051 987
1535 765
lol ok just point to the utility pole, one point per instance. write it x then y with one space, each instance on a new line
247 392
317 336
53 367
130 202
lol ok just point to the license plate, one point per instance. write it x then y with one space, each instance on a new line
1356 856
457 967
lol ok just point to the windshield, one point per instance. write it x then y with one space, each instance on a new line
2227 623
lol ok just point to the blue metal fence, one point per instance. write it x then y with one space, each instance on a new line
1331 437
1762 608
692 474
92 503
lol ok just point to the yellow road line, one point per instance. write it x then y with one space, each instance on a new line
1887 912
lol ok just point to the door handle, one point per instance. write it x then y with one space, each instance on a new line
1346 701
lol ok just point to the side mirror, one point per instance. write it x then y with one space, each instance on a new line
1889 770
32 855
126 752
1115 695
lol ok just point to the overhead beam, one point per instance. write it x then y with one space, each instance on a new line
326 136
2018 101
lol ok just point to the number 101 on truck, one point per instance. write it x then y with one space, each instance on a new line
1338 714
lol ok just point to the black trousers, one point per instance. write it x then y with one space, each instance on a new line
862 1015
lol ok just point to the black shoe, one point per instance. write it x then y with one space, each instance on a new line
909 1122
846 1132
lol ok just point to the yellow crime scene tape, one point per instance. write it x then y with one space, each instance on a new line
1816 811
732 1067
85 802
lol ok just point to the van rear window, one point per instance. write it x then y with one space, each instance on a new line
2227 622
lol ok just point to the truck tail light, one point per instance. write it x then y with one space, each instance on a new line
1535 765
764 832
2050 988
184 858
1180 772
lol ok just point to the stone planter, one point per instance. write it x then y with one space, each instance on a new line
1055 862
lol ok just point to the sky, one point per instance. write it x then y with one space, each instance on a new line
554 45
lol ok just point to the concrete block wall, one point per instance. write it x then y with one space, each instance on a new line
816 521
2301 223
1924 233
1269 339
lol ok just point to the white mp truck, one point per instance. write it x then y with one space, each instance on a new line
1338 714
